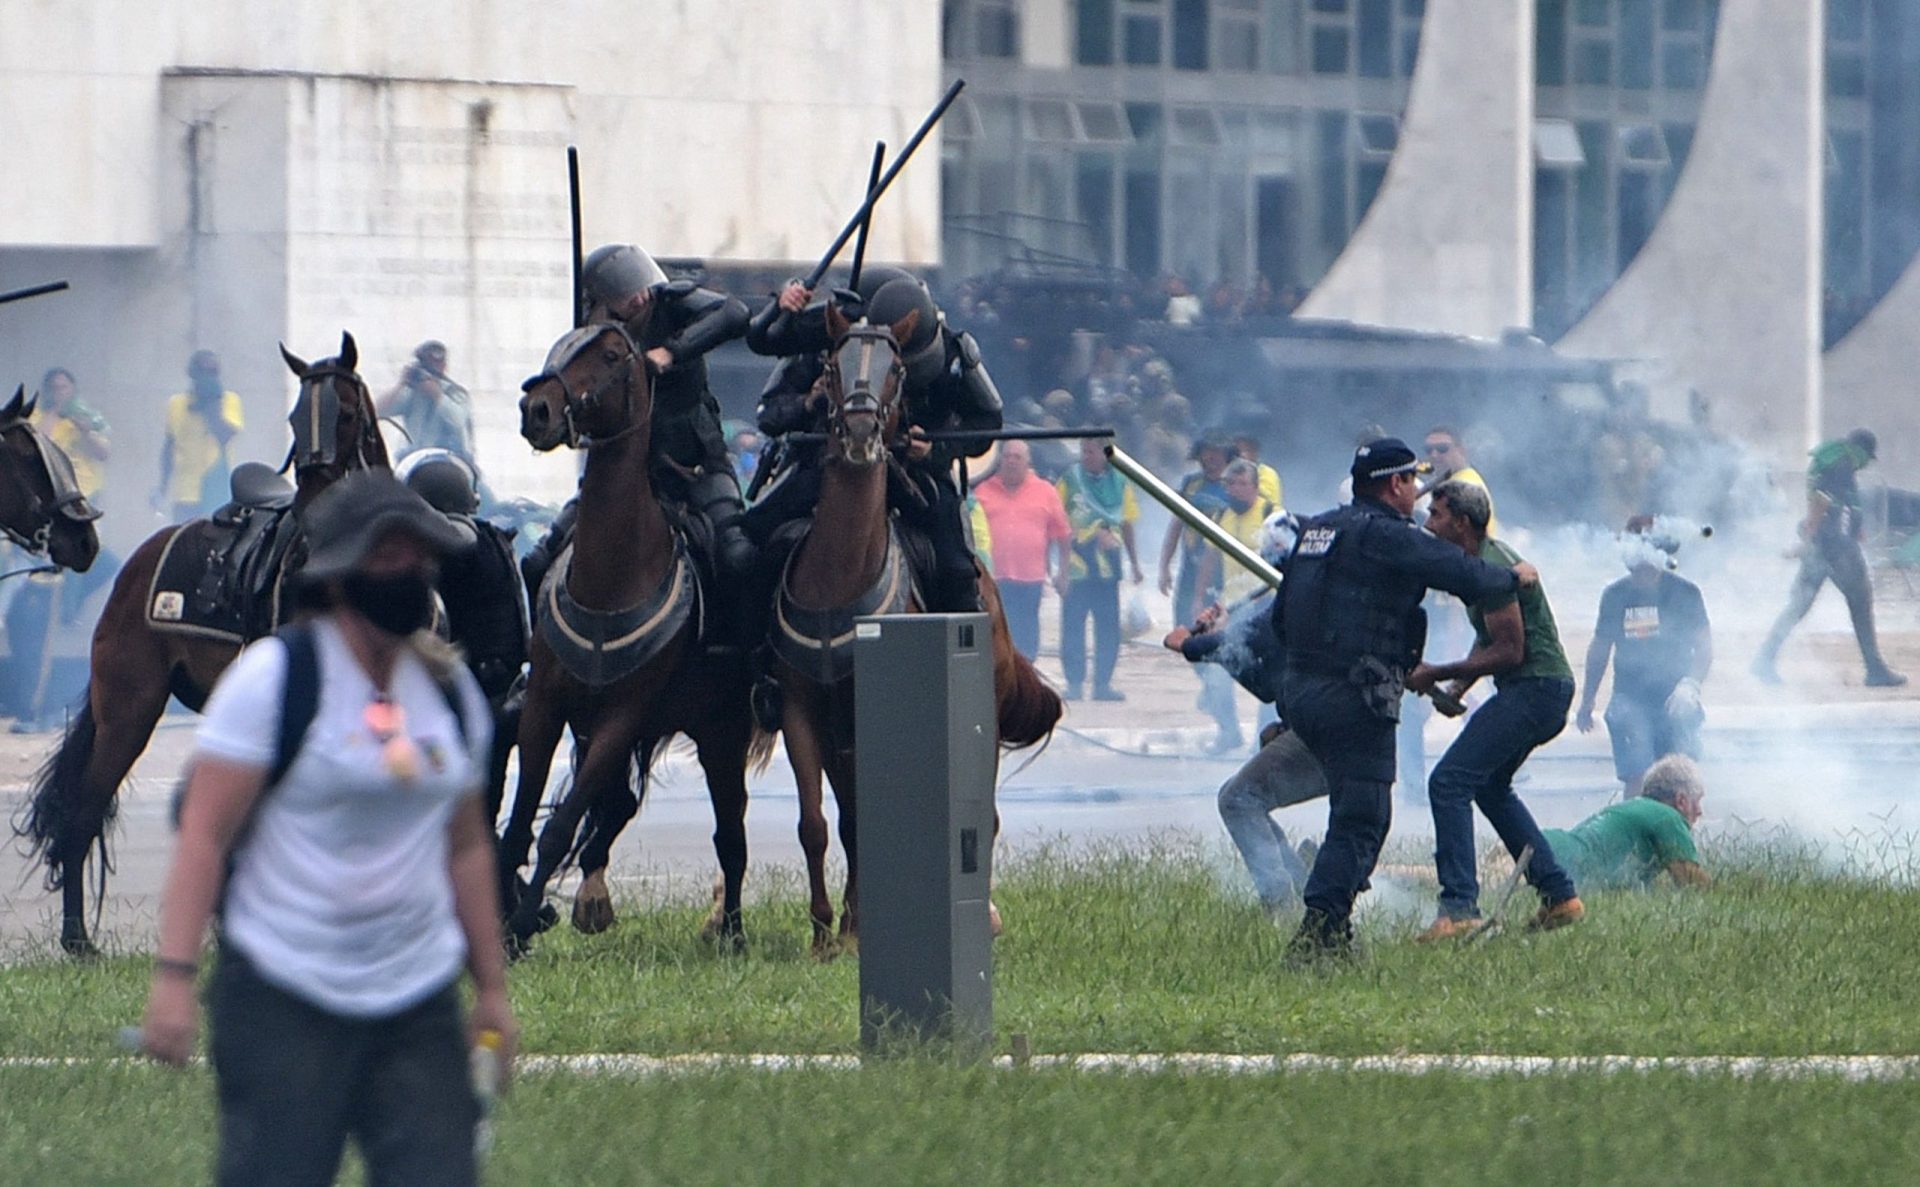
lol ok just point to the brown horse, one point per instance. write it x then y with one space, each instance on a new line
137 664
42 508
617 654
851 561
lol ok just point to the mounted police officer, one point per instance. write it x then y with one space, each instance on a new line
1351 627
946 387
675 323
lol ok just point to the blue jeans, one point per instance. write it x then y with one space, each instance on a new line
1021 602
1642 731
1478 769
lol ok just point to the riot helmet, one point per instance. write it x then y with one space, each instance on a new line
874 278
899 297
443 478
614 273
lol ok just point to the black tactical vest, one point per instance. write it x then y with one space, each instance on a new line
1343 602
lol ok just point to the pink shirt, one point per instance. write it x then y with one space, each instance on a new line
1024 519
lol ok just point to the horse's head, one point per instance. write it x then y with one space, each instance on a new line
42 508
596 385
862 383
335 427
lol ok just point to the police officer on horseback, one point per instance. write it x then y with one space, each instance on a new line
946 387
675 323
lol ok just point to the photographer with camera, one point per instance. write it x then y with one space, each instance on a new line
435 412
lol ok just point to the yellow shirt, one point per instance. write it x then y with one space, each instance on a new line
195 451
67 435
982 533
1270 485
1245 526
1087 516
1470 475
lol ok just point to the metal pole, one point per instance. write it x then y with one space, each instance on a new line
1188 514
866 224
972 436
573 197
37 290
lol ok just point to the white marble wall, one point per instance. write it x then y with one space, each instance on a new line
1725 296
1448 243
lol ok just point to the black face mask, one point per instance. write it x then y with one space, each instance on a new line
399 604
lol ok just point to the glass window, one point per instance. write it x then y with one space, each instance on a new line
1643 144
1682 66
998 29
1142 39
1190 34
1144 119
1330 5
1376 135
1550 43
1143 222
1093 185
962 121
1846 20
1236 46
1273 134
1093 32
1592 234
1635 56
953 16
1593 63
1846 208
1556 145
998 119
1680 16
1281 38
1050 119
1330 44
1593 14
1409 52
1105 122
1368 179
1196 127
1332 137
1376 38
1846 76
1415 9
1234 235
1640 198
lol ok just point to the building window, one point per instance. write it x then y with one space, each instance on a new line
1093 32
1190 34
1330 45
1593 63
1550 43
1236 35
980 29
1635 55
1142 31
1375 21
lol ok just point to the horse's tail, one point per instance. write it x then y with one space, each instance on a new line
760 749
54 812
1030 709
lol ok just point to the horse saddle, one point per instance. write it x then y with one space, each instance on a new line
256 484
221 576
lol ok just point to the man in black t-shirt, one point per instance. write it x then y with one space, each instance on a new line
1654 623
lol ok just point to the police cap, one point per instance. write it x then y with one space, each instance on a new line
1383 456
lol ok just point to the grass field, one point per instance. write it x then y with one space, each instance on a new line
1140 952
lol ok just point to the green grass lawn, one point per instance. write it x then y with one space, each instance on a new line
1134 952
1161 951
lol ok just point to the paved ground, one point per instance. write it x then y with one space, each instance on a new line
1823 758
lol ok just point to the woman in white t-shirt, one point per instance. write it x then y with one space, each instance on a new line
352 891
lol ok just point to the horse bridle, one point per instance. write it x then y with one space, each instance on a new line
323 376
863 399
45 512
579 406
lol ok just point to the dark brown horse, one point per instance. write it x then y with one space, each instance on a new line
617 654
851 561
42 508
137 664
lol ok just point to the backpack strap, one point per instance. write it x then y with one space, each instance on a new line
299 699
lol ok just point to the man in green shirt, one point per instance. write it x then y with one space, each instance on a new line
1516 643
1633 842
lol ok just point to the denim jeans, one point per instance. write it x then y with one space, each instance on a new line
1282 774
1098 599
293 1081
1642 731
1478 769
1021 602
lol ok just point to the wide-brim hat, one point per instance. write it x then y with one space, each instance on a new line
353 514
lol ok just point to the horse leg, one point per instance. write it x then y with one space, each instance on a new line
608 754
803 752
725 764
539 736
840 774
593 902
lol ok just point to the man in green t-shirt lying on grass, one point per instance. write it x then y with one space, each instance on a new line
1633 842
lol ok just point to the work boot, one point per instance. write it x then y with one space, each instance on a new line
1319 940
1564 913
1450 927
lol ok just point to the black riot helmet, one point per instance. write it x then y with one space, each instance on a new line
873 279
444 479
617 271
899 297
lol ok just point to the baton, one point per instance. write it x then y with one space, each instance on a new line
974 436
812 281
36 290
573 197
866 224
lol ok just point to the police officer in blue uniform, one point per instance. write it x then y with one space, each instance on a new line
1351 627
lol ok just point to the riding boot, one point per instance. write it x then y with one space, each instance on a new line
956 579
716 495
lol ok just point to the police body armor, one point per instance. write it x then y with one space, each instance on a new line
1347 614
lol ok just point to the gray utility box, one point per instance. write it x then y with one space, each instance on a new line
925 755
